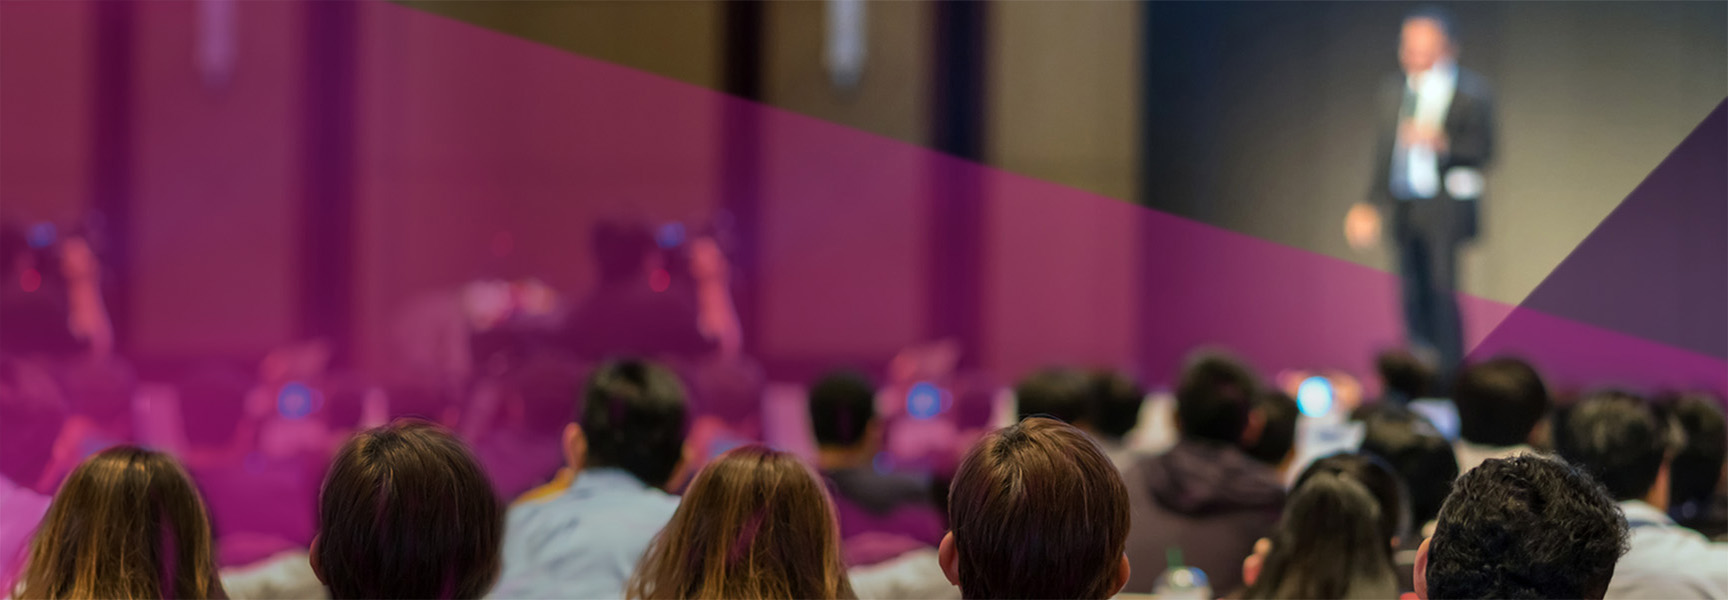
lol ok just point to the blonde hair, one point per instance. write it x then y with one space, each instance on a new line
127 523
756 523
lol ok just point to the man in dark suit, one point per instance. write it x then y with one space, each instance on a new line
1436 136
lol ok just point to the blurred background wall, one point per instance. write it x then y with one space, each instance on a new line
1246 116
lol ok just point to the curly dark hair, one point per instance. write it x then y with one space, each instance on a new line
1525 527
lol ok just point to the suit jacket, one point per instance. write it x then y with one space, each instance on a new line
1469 130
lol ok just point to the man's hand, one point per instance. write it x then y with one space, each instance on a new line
1362 227
1411 134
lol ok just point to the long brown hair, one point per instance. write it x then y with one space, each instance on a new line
756 523
127 523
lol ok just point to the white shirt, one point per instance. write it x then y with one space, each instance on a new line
1667 561
1433 89
583 543
1470 455
915 575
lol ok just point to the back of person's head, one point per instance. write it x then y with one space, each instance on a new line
634 417
1416 450
756 523
1214 396
1618 438
1696 469
1529 526
1276 440
1036 510
1330 542
842 408
1059 393
622 249
1500 401
407 512
1382 483
127 523
1404 375
1116 401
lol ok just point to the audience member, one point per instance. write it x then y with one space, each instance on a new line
1059 393
1528 526
1620 439
1116 402
1500 404
1697 499
635 310
407 512
1419 454
625 451
1337 534
756 523
127 523
1404 376
1204 496
1037 511
871 503
1273 424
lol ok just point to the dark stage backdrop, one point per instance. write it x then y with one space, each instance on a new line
1259 116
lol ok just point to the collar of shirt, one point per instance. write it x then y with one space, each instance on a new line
1443 70
1641 514
603 480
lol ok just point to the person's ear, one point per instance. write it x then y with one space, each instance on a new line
312 557
1122 573
873 436
1658 494
1420 576
681 471
575 447
1254 428
949 558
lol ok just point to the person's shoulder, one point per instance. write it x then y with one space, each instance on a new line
1472 83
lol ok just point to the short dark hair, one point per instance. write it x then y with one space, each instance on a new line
1697 466
1404 375
1500 401
1116 401
1441 18
1060 393
1618 438
1038 511
634 414
842 405
1525 527
1214 396
406 511
1279 413
1416 450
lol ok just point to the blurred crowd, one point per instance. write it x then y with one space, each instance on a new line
623 446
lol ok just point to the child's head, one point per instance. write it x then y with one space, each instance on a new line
1036 510
407 512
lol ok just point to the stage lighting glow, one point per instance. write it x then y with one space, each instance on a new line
670 235
924 400
43 235
1314 396
296 400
